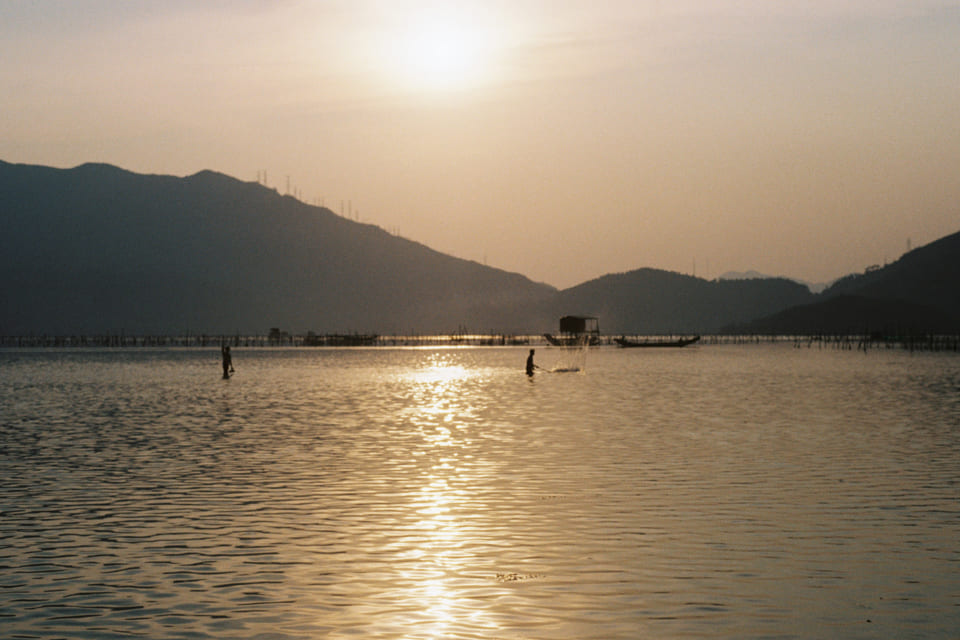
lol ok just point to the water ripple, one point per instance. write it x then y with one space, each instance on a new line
440 493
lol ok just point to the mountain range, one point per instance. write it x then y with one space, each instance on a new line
97 249
815 287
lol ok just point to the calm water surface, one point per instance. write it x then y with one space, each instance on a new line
718 491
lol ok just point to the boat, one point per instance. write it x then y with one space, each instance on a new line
576 331
682 342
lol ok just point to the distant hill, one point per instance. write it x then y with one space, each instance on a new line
928 275
98 249
917 293
651 301
847 314
743 275
815 287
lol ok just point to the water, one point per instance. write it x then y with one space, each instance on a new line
718 491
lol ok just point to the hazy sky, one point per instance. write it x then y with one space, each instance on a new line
559 139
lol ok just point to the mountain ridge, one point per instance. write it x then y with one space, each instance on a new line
107 248
815 287
915 294
97 248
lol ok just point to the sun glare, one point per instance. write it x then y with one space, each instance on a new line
443 52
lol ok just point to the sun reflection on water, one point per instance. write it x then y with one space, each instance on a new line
440 410
440 374
438 405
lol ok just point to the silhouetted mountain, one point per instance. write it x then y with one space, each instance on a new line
651 301
918 293
815 287
97 249
926 276
846 314
743 275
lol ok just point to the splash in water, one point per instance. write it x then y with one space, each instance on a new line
573 359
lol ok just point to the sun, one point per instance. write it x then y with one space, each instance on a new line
443 52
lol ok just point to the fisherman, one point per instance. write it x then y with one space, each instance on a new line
530 365
227 361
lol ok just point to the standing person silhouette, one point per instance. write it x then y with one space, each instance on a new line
530 365
227 361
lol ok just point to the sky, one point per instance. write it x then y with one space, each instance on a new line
560 139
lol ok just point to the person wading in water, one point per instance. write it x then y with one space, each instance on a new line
530 365
227 361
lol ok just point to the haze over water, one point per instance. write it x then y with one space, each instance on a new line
715 491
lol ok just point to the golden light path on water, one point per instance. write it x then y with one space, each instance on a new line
438 414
